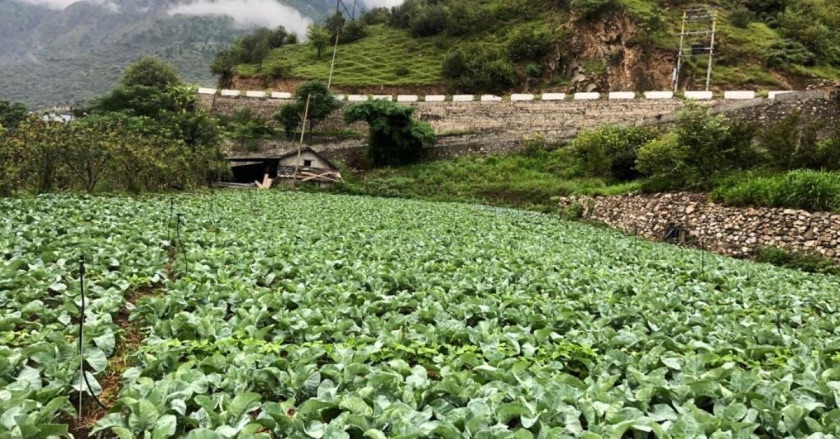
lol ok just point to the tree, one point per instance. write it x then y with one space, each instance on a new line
395 138
318 37
430 20
150 71
290 116
11 114
334 25
321 102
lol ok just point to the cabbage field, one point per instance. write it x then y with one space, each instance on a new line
273 314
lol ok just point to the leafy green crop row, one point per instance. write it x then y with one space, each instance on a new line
310 316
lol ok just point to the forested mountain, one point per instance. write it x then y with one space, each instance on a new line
56 52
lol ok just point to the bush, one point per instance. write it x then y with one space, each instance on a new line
807 262
527 43
610 151
572 212
402 71
702 148
245 125
534 71
789 144
150 71
788 52
479 70
395 137
800 189
508 10
663 159
467 18
430 20
353 31
741 17
278 71
376 16
535 146
592 9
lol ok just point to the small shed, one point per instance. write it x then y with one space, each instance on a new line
310 167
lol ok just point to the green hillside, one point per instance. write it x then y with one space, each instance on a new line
543 44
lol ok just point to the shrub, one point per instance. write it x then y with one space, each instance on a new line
789 144
534 71
479 70
610 151
466 18
800 189
395 137
431 20
507 10
354 30
535 146
572 212
245 125
663 159
788 52
703 147
376 16
527 43
402 71
592 9
278 71
829 151
807 262
150 71
741 17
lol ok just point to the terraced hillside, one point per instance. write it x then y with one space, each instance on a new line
582 45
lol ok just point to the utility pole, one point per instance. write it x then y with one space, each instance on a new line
697 38
300 145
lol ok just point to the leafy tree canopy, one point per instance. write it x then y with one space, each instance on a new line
395 137
321 104
11 114
150 71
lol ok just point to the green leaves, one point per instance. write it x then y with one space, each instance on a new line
405 319
143 416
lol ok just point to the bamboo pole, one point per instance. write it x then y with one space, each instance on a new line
332 64
300 145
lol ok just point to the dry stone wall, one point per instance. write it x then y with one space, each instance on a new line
727 230
498 127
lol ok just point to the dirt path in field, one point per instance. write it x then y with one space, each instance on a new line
128 341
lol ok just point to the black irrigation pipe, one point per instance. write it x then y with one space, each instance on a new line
82 342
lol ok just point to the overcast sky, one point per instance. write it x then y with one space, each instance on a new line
380 3
249 13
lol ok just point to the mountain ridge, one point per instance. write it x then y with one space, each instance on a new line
56 57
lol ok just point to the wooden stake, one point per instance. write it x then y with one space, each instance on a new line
302 132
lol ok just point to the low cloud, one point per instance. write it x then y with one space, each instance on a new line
62 4
248 13
382 3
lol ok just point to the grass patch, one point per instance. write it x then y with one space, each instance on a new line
520 180
373 60
807 262
801 189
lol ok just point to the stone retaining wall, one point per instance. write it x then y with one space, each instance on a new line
495 127
727 230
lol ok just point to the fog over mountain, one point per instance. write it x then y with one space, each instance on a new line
57 52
